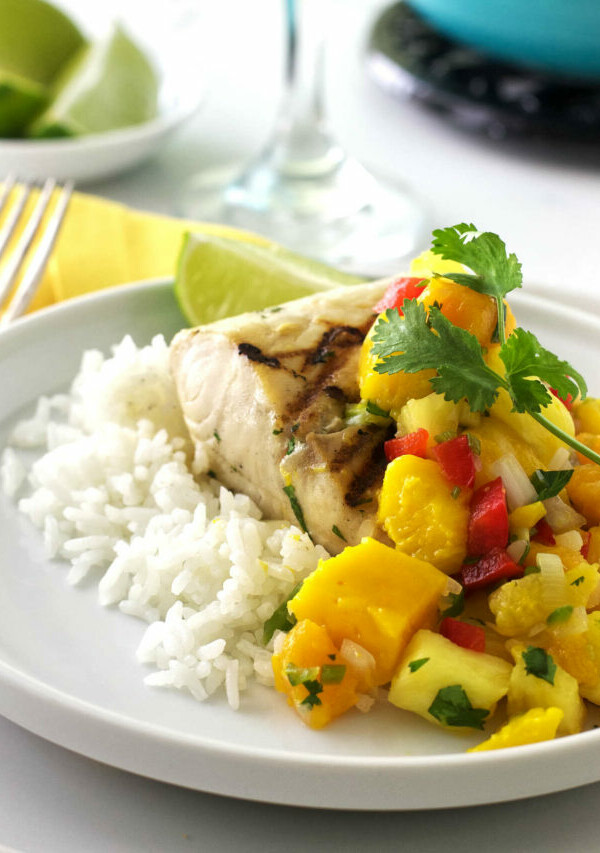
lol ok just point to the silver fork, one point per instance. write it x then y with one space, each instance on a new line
32 266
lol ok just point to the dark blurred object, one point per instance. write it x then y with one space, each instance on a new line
408 56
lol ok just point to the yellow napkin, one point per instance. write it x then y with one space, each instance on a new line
103 243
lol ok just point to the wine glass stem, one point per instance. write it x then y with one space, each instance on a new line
301 144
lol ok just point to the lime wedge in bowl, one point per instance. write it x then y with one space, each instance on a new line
107 85
36 39
20 100
217 276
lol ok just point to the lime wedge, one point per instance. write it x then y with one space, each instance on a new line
218 277
20 100
35 39
106 85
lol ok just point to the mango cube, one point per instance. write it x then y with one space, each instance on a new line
373 595
307 669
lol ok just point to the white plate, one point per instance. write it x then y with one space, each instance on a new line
67 667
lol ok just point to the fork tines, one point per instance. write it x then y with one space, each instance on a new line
20 260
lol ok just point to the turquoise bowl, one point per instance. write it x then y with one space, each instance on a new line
559 36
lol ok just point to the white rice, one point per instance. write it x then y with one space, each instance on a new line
113 493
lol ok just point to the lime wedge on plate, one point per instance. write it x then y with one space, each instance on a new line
218 277
107 85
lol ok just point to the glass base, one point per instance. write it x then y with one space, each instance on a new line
335 211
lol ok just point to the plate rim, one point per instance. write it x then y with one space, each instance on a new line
39 695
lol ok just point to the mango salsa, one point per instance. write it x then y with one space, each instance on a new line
373 595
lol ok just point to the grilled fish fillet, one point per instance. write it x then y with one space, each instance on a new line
265 394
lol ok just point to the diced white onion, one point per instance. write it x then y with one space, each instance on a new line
452 587
517 548
562 517
561 461
571 539
364 703
357 657
519 489
278 641
550 565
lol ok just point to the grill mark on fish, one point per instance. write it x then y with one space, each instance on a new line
254 353
370 474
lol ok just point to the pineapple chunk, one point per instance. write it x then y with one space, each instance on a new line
538 682
420 514
446 683
389 391
373 595
308 670
497 439
525 604
543 443
533 726
433 413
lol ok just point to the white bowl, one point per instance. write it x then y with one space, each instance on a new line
97 156
93 157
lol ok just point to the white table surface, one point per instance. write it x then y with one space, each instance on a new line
546 203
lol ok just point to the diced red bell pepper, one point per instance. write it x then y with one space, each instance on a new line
463 634
398 291
488 522
568 400
457 460
544 533
585 548
414 443
496 565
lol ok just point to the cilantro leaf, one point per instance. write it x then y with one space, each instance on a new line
452 707
281 619
414 665
314 687
524 357
539 663
495 272
456 604
561 614
549 483
417 341
296 508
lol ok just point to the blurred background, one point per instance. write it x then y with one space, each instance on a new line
542 194
474 139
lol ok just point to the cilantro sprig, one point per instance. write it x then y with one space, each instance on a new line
424 339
